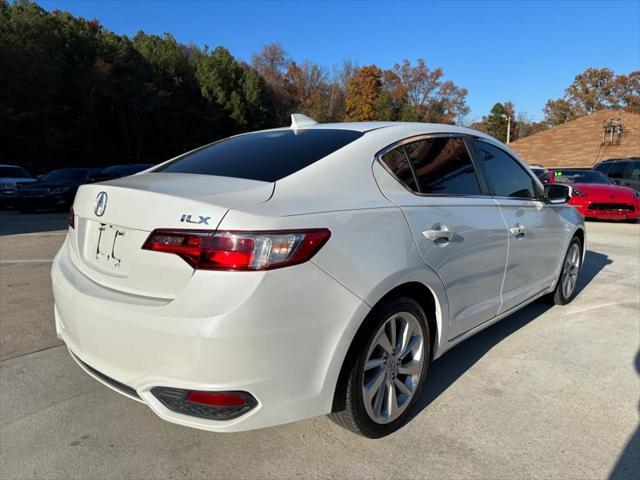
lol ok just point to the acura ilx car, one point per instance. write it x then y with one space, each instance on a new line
318 269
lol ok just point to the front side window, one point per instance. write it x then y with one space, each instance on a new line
443 166
507 177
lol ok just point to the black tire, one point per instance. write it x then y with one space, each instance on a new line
349 408
558 296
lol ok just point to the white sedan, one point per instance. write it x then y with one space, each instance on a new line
317 269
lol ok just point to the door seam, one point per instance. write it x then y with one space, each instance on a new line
506 263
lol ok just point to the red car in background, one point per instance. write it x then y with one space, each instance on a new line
595 196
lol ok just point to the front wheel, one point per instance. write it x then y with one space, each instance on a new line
386 374
565 289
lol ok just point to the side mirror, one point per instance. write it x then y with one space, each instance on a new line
615 182
557 193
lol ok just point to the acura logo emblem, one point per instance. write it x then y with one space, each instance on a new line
101 204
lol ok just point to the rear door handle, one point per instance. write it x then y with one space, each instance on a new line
437 232
518 230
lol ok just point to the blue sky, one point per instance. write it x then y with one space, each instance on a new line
521 51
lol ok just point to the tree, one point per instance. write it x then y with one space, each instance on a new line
496 123
272 64
428 97
626 91
592 90
558 111
234 87
363 92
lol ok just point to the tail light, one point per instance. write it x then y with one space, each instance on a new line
240 251
71 218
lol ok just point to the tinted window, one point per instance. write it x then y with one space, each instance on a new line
579 176
397 162
508 178
125 169
67 175
602 168
443 166
634 174
264 156
13 172
617 170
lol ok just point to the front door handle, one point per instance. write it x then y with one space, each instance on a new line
438 232
518 230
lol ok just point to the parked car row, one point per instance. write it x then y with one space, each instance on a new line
610 191
56 189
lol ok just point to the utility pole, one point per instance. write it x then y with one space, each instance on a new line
508 118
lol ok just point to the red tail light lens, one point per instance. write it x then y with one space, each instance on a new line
71 218
240 251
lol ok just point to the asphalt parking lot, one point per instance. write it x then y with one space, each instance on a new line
546 393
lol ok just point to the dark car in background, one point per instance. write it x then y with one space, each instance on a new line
10 177
622 171
118 171
55 190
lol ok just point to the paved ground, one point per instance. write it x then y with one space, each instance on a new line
547 393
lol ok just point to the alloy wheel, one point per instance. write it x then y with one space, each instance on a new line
570 270
393 367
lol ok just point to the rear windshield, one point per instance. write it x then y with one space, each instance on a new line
263 156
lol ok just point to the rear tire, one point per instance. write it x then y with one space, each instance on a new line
565 290
398 369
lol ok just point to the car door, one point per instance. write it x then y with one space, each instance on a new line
536 230
457 226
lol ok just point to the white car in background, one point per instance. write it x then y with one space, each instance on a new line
10 177
318 269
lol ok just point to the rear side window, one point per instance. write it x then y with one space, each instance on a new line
507 177
602 168
397 162
263 156
617 170
634 174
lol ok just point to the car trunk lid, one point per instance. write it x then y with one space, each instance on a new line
107 245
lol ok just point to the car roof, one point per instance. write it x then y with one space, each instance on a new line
398 126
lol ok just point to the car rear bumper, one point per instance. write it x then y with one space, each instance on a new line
281 337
